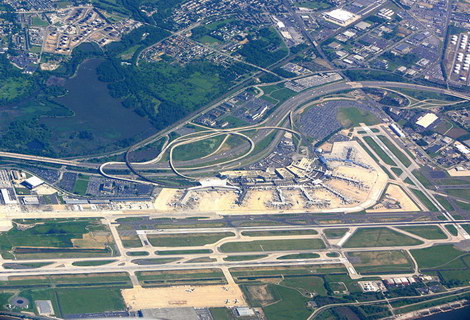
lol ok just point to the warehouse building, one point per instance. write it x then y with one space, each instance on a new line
341 17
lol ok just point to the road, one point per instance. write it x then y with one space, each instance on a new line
275 119
124 262
418 183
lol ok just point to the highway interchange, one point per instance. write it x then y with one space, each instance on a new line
279 119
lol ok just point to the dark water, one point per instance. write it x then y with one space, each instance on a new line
459 314
96 112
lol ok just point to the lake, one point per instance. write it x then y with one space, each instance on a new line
100 121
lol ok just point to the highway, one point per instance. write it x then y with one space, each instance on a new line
276 118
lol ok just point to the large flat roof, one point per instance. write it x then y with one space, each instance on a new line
341 16
426 120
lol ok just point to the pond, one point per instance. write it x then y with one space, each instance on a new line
100 122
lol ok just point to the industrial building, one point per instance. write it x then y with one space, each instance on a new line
426 120
32 182
341 17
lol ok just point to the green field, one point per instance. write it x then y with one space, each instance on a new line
278 233
452 229
91 263
291 305
197 149
379 151
459 193
400 155
210 275
137 253
81 184
397 171
131 241
182 252
273 245
352 117
186 239
425 200
51 233
73 301
377 262
305 284
315 5
379 237
245 258
250 274
300 256
421 178
154 261
80 280
463 205
445 203
221 314
427 232
335 233
439 256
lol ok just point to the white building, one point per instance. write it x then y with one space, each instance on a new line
33 182
6 197
426 120
341 17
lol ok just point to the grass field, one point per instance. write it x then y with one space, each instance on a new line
400 155
377 262
138 253
397 171
440 256
154 261
254 273
352 117
300 256
92 263
452 229
82 280
424 181
278 233
50 233
245 258
186 239
463 205
73 301
172 252
445 203
210 275
197 149
335 233
427 232
378 150
221 314
379 237
459 193
81 185
305 284
272 245
425 200
291 305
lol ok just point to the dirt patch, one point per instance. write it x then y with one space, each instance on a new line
181 296
261 294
